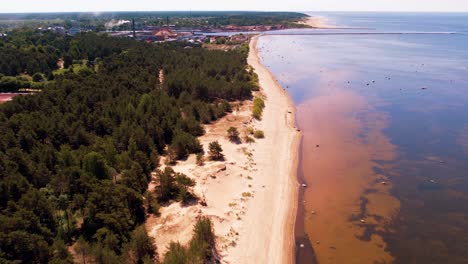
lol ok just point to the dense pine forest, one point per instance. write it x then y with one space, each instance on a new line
76 157
97 22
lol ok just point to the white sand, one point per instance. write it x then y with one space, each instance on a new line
252 195
318 22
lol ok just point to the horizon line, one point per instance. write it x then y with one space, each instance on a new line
194 11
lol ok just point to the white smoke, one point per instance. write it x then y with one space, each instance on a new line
116 23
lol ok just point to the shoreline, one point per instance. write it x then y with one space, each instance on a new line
251 197
320 22
266 78
317 22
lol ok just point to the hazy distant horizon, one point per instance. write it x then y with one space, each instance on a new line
97 12
52 6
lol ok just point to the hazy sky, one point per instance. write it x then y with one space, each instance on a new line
283 5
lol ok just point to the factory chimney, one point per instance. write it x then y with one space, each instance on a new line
133 28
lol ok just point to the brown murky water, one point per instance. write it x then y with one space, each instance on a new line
384 152
347 202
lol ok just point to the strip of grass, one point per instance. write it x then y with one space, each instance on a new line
258 105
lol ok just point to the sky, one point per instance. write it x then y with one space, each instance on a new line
11 6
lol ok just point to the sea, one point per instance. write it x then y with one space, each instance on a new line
382 102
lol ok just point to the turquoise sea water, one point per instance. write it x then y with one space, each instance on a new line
419 82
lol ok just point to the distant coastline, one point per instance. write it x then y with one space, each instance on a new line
317 22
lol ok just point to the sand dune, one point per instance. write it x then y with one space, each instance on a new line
251 196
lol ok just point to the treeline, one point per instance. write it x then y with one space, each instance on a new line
97 23
30 53
26 51
258 18
76 158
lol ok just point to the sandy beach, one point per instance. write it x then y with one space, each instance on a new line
318 22
251 196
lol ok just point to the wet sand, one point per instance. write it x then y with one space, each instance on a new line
347 203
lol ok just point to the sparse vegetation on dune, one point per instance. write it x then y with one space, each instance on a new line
259 134
201 248
200 159
76 158
258 105
215 151
172 185
233 134
249 139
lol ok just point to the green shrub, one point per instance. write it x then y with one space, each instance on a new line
203 241
259 102
200 159
152 204
257 113
174 186
233 134
201 248
183 184
259 134
248 139
176 254
184 143
254 82
141 246
38 77
215 151
258 105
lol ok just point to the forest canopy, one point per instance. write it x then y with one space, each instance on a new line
76 158
100 22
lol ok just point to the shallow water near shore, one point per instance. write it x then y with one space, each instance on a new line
385 137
